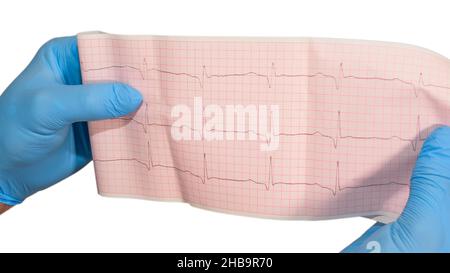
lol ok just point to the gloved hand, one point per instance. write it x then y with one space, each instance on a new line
424 225
43 136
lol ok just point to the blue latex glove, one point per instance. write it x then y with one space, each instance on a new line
424 225
43 136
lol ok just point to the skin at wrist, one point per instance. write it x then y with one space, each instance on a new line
4 207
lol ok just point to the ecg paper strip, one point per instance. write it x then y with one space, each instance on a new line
352 117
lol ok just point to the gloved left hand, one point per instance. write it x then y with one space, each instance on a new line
424 224
43 136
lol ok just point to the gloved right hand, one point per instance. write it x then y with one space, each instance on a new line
43 133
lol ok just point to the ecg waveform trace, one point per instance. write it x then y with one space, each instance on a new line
269 77
149 165
385 193
333 139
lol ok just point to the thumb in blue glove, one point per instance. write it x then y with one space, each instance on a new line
44 136
424 225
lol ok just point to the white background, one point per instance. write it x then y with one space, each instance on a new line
72 217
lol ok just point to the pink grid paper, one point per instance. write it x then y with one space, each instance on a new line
354 115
